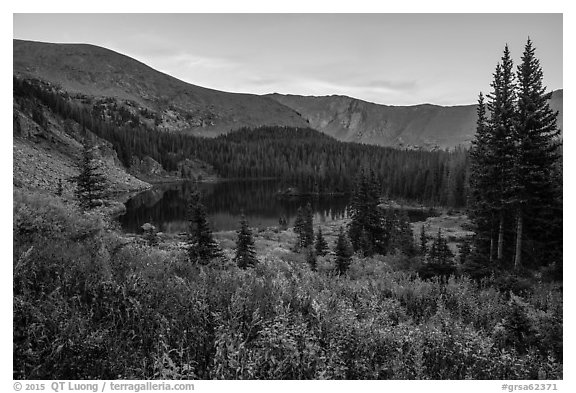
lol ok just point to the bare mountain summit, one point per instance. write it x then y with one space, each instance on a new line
96 73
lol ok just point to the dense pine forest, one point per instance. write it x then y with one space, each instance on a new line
303 158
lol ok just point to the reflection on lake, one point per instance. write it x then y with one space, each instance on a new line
165 206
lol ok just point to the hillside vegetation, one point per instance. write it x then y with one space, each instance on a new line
90 303
47 149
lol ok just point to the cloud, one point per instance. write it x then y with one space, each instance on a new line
390 85
265 81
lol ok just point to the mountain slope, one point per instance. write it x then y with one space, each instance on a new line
47 150
426 126
92 72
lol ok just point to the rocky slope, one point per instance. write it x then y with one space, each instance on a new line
420 126
105 78
49 153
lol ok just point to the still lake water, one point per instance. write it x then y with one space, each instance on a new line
165 206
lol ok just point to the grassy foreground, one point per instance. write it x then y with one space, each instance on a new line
91 303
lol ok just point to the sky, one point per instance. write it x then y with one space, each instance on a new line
392 59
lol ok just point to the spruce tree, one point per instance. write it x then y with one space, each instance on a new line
299 228
439 261
402 237
515 171
202 247
357 211
365 230
483 195
492 164
366 245
536 184
423 241
90 183
321 245
311 259
308 230
343 252
245 250
374 214
502 105
440 253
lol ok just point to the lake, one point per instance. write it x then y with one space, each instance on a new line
165 205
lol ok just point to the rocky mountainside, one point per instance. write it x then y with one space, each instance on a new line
419 126
107 79
47 152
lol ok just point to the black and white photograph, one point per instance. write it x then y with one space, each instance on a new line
287 196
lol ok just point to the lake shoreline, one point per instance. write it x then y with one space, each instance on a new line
164 205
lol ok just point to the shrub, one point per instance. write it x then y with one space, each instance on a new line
89 303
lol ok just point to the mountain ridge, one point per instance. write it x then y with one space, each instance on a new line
414 126
96 75
94 71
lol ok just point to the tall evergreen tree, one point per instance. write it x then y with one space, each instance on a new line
365 230
308 230
439 261
321 245
90 183
492 164
366 246
357 211
245 250
502 105
343 252
299 224
536 184
401 235
202 247
311 259
483 195
423 240
304 226
440 253
516 172
374 213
